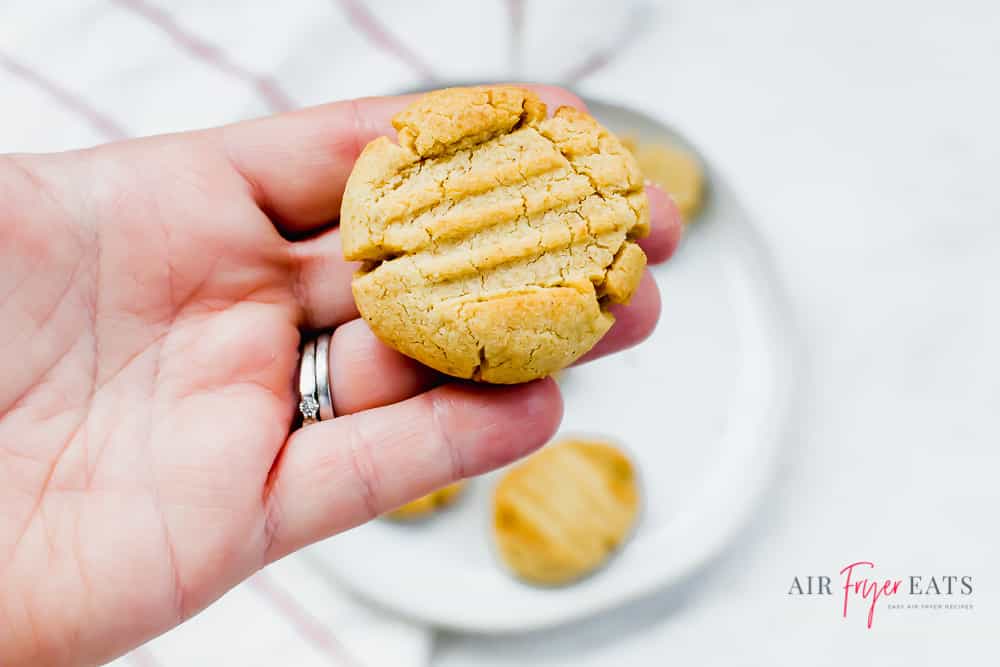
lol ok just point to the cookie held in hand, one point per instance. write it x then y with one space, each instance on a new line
562 513
493 238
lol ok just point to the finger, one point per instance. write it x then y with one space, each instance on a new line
297 163
634 322
323 281
366 373
336 474
665 226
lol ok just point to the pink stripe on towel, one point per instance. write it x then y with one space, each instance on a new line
66 98
209 53
305 625
380 36
639 19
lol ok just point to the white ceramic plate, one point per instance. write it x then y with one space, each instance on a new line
701 407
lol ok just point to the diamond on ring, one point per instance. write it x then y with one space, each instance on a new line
309 407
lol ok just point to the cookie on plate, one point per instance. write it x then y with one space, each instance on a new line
493 238
561 513
677 172
427 505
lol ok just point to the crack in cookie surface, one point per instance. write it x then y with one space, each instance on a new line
493 237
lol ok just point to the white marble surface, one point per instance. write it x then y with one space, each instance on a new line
864 136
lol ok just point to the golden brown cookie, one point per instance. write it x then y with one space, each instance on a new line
630 142
676 171
565 510
425 505
493 238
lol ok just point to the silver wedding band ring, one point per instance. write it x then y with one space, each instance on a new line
315 398
323 393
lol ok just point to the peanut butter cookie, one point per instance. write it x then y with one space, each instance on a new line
677 172
564 511
426 505
493 238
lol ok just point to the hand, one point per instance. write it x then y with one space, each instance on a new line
150 308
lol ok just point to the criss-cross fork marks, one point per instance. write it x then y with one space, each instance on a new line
559 515
511 213
494 259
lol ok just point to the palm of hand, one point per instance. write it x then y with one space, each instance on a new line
156 395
